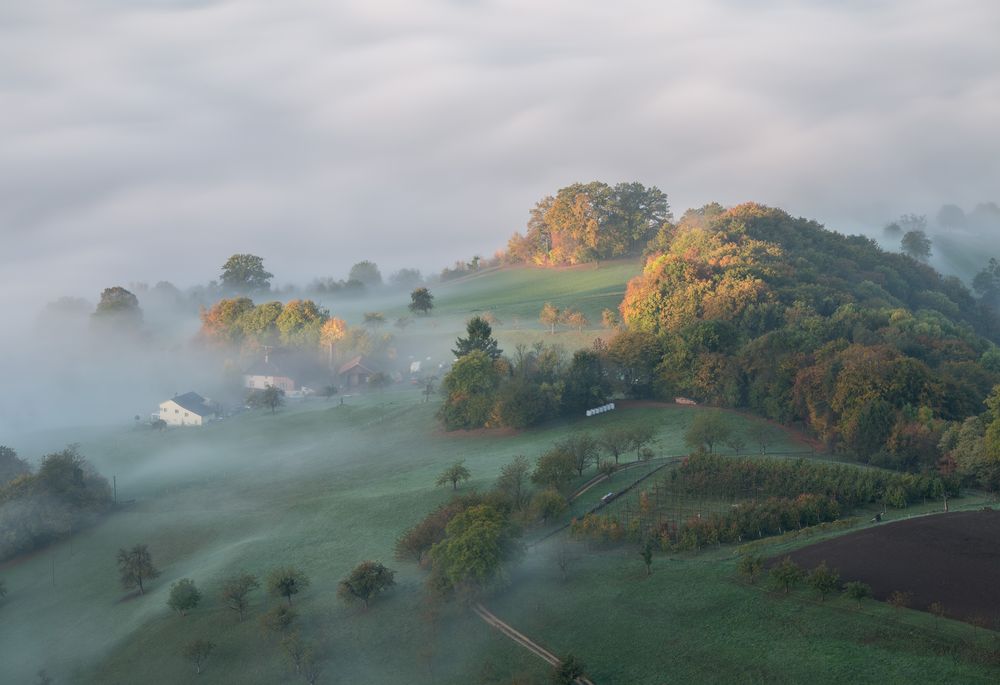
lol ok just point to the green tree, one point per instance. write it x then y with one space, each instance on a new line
453 474
366 272
197 652
184 596
479 337
786 574
421 301
708 428
567 671
3 589
236 592
118 306
135 566
750 566
301 323
11 465
270 397
647 556
917 245
554 468
287 581
245 273
639 436
547 504
858 591
513 481
478 543
823 580
615 441
470 391
367 580
607 468
587 384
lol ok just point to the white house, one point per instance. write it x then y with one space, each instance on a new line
266 373
189 409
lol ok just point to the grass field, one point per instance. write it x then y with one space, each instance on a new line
318 485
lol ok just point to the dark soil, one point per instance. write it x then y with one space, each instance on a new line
953 559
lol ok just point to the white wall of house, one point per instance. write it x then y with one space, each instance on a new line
176 415
261 382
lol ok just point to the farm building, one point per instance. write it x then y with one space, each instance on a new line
189 409
266 373
355 373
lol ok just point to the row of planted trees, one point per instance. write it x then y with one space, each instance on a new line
710 499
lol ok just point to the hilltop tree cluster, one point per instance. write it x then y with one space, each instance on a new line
749 307
586 222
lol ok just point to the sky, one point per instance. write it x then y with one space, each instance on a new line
149 140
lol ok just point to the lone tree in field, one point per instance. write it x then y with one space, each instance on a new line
197 652
607 468
647 556
245 273
365 582
899 599
567 671
582 448
823 580
937 609
761 436
639 437
184 596
421 301
134 566
858 591
236 592
278 619
547 504
479 336
708 428
453 474
750 566
616 441
550 316
285 582
786 574
270 397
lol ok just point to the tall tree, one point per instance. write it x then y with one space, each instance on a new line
479 336
421 301
135 566
513 481
367 580
197 652
550 316
11 465
708 429
478 543
470 391
245 273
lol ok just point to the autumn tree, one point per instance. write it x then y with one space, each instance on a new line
184 596
479 336
574 319
332 332
550 316
236 592
554 468
421 301
453 474
610 318
367 580
300 323
286 582
245 273
135 566
197 652
278 619
586 385
547 504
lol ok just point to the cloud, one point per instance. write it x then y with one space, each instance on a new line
148 141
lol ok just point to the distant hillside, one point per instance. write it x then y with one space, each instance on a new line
873 351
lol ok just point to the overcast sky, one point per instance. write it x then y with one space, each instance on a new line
148 140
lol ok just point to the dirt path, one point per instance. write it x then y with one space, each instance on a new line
521 639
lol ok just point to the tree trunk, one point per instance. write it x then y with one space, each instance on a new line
141 591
